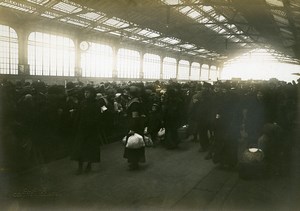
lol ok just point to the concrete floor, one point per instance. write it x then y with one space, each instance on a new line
178 179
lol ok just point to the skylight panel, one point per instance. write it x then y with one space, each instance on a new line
203 20
66 8
40 2
134 37
194 14
213 27
234 39
115 33
185 9
175 48
222 31
207 9
101 28
201 50
221 18
48 15
159 44
17 6
275 3
286 31
147 33
91 16
74 22
171 2
115 23
280 19
170 40
187 46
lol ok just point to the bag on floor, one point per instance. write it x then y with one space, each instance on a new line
252 165
182 132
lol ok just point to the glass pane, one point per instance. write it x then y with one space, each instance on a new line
50 55
151 66
183 70
128 63
204 72
195 71
8 50
97 61
169 68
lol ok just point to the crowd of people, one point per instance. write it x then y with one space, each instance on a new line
40 122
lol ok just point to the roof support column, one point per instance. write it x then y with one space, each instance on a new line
209 72
161 67
78 69
23 66
190 70
177 68
200 76
141 73
114 68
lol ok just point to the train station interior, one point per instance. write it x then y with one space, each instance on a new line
149 105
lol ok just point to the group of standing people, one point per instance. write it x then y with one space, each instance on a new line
224 117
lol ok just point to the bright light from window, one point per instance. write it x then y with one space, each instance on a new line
195 71
204 72
259 65
213 76
8 50
128 63
97 61
51 55
183 70
151 66
169 68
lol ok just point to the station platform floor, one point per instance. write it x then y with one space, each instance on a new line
179 179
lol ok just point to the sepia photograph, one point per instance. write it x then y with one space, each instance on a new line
150 105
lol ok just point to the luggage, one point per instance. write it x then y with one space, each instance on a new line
182 132
252 164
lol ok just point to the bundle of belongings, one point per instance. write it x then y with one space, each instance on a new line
134 141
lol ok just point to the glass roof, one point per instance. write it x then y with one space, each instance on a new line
275 3
69 12
116 23
40 2
170 40
66 7
91 16
188 46
17 6
148 33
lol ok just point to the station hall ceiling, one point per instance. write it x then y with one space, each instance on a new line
211 30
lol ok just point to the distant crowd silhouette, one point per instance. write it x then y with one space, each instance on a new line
41 123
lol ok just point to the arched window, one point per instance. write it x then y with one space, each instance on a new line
128 63
8 50
51 55
169 68
97 61
151 66
213 73
183 70
204 72
195 71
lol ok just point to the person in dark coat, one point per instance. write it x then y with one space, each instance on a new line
172 114
135 118
87 147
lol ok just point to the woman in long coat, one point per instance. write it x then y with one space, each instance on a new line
87 146
134 113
